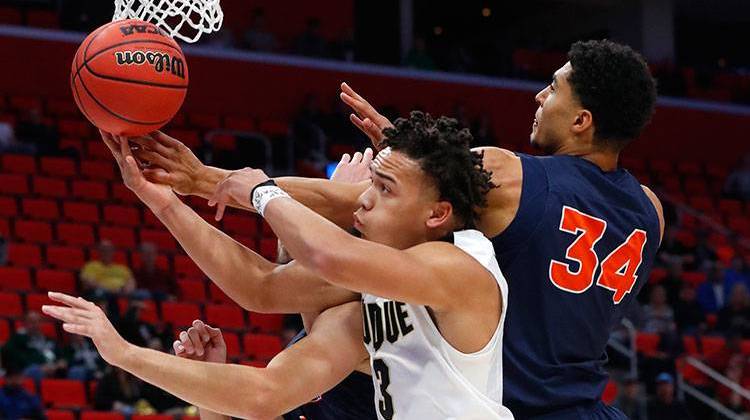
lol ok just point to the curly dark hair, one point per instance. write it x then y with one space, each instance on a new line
613 82
442 149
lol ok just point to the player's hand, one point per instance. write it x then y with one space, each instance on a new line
237 187
84 318
156 197
174 164
365 116
201 342
354 169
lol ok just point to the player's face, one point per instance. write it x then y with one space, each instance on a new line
394 209
556 113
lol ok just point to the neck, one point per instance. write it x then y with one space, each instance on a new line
606 160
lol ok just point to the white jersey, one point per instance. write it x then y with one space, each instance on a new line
417 373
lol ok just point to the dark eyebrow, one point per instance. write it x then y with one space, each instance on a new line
382 175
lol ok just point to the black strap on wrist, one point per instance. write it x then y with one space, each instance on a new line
269 183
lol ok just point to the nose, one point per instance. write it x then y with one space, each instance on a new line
542 96
366 199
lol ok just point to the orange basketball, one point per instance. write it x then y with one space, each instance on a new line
129 78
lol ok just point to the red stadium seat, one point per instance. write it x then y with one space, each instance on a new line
33 231
81 212
90 190
122 215
150 220
266 230
72 144
730 207
97 149
271 323
274 128
694 278
15 278
745 347
712 344
232 341
192 290
10 16
690 344
189 138
25 103
74 128
18 164
152 417
100 170
56 280
205 121
4 227
24 255
147 312
239 123
261 346
58 166
61 107
241 225
268 248
8 207
661 166
40 208
226 141
65 257
60 415
162 261
42 19
27 384
102 415
122 194
48 328
225 316
162 238
217 295
34 301
14 184
180 314
696 185
185 267
10 305
75 234
4 331
647 343
690 168
121 237
50 187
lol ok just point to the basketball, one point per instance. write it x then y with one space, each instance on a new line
129 78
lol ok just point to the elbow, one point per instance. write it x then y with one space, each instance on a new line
323 262
263 403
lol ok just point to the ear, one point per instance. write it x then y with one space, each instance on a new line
583 121
440 215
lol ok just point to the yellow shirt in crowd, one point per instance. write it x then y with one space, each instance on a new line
111 277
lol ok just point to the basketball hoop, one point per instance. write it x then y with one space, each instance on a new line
183 19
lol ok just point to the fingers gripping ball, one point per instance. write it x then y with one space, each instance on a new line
129 78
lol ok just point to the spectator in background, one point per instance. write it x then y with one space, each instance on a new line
738 182
712 293
154 282
736 273
311 140
665 407
688 312
142 333
84 362
9 143
483 132
672 248
721 359
3 250
670 348
658 316
257 38
105 274
32 131
16 402
673 280
310 43
702 253
418 57
631 400
117 391
736 313
30 352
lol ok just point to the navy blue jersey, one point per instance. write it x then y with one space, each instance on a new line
351 399
575 256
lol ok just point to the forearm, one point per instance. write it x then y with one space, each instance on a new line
237 270
206 182
336 201
231 390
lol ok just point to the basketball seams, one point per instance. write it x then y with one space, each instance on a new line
77 95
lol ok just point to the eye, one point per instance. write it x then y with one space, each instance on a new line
384 188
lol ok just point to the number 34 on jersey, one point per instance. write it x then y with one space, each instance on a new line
618 269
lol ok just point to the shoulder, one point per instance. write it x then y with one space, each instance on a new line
451 261
499 161
657 205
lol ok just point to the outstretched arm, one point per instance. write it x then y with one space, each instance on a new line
179 168
332 351
424 275
252 281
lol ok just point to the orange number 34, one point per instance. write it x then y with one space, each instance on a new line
617 269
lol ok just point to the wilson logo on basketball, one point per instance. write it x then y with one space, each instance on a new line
161 61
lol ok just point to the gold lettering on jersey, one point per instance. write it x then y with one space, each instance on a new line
385 321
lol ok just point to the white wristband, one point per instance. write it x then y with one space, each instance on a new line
263 195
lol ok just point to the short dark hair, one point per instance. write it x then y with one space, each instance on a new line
442 149
614 83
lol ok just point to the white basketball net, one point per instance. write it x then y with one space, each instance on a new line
183 19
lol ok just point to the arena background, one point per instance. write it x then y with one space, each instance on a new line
266 86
